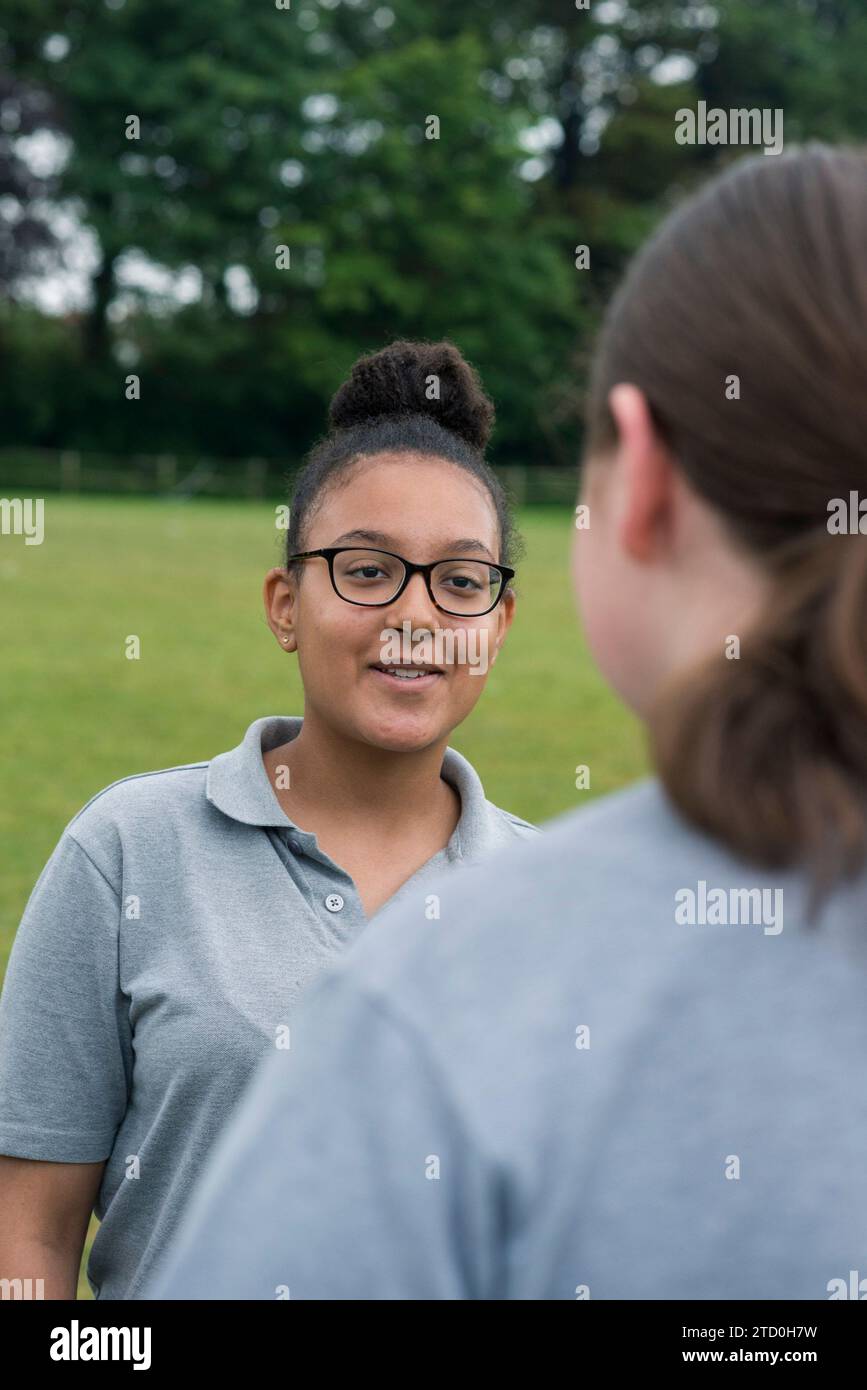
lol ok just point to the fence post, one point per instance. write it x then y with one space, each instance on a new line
70 471
256 473
167 472
515 477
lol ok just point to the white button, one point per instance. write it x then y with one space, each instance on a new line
334 902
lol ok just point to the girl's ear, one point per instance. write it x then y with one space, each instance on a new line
644 467
280 596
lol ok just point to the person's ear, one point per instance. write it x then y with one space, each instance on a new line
280 596
505 616
646 476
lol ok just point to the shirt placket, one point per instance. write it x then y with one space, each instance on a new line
330 891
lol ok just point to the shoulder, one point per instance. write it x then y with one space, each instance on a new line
140 794
143 804
604 828
641 810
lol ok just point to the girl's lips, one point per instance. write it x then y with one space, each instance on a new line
423 681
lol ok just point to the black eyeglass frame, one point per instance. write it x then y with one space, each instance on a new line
328 553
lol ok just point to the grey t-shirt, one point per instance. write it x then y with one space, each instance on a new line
619 1065
162 952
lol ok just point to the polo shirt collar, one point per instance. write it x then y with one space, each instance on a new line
238 785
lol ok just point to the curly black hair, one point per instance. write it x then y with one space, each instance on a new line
414 398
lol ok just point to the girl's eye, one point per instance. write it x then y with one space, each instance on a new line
366 572
464 582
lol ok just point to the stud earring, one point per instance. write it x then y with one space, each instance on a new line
284 639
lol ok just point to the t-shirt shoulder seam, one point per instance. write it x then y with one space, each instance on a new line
92 861
136 777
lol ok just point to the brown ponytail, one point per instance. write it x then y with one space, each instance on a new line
763 276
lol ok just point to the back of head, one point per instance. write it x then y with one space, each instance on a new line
744 322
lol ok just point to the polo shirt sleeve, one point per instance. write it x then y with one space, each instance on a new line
64 1025
347 1172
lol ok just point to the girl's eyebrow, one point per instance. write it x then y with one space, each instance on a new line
378 538
375 538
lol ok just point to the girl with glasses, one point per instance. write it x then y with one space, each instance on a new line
184 912
661 1036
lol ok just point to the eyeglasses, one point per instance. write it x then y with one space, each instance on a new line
374 578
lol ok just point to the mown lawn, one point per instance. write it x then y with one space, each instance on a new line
186 578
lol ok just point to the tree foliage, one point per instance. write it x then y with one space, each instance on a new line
308 128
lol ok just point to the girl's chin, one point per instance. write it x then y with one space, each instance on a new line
401 733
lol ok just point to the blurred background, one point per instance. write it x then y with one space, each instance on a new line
149 244
232 202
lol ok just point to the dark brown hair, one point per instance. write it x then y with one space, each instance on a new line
385 406
763 275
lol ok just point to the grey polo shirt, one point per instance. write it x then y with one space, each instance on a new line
567 1087
160 955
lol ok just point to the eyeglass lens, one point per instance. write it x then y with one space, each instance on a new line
463 587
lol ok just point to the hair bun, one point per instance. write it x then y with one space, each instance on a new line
396 381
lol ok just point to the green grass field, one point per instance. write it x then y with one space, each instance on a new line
186 577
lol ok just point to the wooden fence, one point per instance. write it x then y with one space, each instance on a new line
25 472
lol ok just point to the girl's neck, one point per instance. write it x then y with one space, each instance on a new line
333 777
